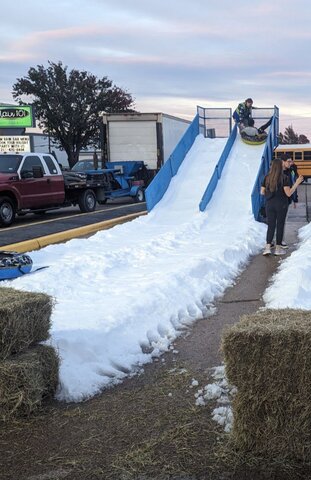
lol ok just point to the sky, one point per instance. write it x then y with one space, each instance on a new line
152 287
171 56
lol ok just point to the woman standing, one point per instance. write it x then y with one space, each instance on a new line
277 190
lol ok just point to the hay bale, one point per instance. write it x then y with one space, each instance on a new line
24 320
26 379
268 359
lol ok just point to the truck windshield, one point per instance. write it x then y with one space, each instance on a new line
83 165
9 163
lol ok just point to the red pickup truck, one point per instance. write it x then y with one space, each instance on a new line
34 182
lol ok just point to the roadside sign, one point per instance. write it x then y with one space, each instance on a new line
14 143
19 117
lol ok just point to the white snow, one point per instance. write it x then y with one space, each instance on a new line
291 285
125 294
221 392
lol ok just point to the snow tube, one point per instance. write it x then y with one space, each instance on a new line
257 140
14 264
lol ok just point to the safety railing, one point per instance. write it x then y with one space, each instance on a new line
157 188
267 156
211 187
215 122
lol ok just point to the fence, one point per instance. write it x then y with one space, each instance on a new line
215 122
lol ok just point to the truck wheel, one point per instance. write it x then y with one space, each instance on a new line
140 196
7 212
87 201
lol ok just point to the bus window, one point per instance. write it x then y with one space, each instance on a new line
307 155
298 155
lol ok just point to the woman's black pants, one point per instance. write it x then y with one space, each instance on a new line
276 211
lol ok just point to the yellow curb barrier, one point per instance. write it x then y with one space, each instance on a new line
40 242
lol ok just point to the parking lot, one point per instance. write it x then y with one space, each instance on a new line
32 226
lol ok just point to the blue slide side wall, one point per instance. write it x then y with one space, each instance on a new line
258 200
218 170
157 188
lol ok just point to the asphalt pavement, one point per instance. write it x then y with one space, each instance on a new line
64 224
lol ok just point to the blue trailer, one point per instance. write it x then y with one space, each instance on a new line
125 174
121 178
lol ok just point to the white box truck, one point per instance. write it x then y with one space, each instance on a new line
147 137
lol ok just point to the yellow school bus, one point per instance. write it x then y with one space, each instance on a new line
301 154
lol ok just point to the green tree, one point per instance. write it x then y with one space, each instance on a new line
68 105
290 137
303 139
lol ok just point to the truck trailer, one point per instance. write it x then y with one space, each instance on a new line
147 137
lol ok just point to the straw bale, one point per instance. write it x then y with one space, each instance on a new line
26 379
24 320
268 359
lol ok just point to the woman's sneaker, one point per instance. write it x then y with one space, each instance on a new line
283 245
267 250
279 250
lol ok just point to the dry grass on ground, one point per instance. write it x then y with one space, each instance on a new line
131 430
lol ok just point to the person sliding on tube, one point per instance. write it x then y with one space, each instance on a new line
253 132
